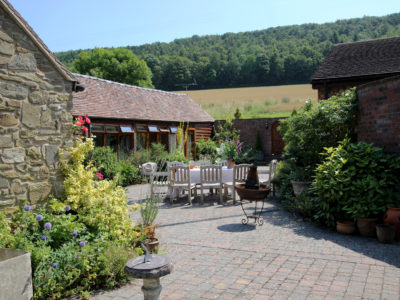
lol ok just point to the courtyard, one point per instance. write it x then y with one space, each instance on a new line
216 257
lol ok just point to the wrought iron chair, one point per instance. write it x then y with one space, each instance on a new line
239 176
179 178
211 178
159 185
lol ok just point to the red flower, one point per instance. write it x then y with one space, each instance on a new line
100 176
79 122
84 129
87 120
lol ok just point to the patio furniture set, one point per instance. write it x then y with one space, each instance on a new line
200 175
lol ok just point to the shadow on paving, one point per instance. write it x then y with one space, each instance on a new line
371 247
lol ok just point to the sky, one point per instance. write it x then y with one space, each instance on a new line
71 24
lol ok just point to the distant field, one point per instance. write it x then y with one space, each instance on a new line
254 102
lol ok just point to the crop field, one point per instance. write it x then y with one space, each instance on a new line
254 102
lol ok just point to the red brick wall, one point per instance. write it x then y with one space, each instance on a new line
248 131
379 113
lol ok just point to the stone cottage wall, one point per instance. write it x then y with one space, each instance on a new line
35 119
379 114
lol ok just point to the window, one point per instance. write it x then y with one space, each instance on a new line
112 128
174 129
153 128
141 128
97 128
127 129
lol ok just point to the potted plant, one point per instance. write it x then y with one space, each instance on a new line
230 151
385 233
259 147
301 180
148 213
346 227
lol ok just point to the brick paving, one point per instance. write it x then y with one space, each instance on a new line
216 257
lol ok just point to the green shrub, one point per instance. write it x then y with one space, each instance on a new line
309 130
356 181
128 174
206 149
139 157
106 161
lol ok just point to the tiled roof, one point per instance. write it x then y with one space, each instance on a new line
107 99
366 58
7 7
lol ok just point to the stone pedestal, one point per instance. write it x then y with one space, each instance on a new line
15 275
150 268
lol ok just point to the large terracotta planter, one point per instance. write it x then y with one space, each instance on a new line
392 216
367 226
345 227
385 233
300 187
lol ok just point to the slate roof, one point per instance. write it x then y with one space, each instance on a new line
20 21
359 59
107 99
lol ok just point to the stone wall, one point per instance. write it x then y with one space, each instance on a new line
35 119
379 114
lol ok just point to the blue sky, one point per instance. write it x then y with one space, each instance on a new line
71 24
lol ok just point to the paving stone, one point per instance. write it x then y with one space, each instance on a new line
216 257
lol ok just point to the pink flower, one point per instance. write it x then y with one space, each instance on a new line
79 123
84 129
87 120
99 176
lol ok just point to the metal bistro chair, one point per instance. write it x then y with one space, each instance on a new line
211 178
239 176
179 178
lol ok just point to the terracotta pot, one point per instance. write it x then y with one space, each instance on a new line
386 233
230 163
150 231
392 216
300 187
366 226
152 244
346 227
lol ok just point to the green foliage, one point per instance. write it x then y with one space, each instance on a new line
258 146
286 54
149 211
246 155
206 149
356 181
119 65
237 114
6 237
309 130
108 164
226 132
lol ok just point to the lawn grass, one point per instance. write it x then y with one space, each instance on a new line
254 102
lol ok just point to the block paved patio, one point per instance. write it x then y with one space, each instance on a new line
216 257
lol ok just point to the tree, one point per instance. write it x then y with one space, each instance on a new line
119 65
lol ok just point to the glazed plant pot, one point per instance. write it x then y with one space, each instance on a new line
386 233
152 244
345 227
392 217
366 226
300 187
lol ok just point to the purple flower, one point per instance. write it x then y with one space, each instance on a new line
27 208
75 233
43 237
67 208
39 217
83 243
55 266
47 226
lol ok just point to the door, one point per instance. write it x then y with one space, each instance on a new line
277 141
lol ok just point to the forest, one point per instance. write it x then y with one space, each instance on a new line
274 56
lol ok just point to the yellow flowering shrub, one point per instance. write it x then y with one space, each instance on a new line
100 203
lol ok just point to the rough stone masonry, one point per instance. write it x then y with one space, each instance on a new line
35 119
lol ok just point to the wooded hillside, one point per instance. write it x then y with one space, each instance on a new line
278 55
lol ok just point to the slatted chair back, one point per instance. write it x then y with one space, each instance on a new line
179 175
175 163
211 174
240 173
201 163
